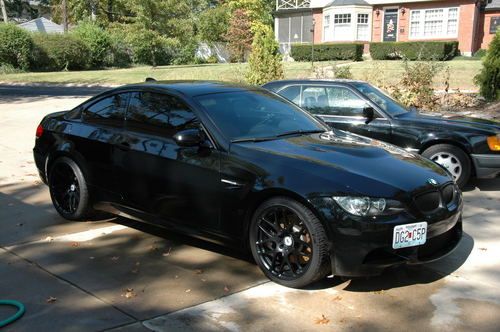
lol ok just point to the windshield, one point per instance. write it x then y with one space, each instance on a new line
380 98
254 115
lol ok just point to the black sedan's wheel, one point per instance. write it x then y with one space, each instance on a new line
454 159
289 243
68 190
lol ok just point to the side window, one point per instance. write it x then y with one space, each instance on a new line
108 111
158 114
332 100
291 93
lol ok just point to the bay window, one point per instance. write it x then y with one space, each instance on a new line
342 26
434 23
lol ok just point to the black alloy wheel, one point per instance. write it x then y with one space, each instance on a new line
284 243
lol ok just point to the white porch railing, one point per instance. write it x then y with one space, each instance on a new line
292 4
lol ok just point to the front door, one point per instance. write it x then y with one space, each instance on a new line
176 184
390 30
341 108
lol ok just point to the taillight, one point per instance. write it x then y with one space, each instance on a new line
39 131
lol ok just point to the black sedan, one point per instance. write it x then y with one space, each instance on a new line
464 146
245 167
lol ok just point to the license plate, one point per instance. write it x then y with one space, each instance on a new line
409 235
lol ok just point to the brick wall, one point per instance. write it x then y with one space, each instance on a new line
468 24
485 37
318 27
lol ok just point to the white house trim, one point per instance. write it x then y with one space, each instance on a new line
352 31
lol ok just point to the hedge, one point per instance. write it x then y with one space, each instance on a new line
53 52
15 47
431 50
327 51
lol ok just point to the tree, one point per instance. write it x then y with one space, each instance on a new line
259 11
213 24
96 40
239 35
489 77
265 62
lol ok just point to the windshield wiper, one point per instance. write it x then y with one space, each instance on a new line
301 132
253 139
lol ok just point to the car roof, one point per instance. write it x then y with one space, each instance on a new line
193 88
280 83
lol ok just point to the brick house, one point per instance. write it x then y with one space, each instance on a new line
470 22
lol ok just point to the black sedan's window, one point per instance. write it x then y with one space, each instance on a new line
158 113
108 111
256 114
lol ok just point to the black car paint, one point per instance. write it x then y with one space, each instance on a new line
211 190
414 131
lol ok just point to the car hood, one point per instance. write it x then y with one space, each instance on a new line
351 162
455 122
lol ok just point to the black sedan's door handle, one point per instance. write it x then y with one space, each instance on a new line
125 146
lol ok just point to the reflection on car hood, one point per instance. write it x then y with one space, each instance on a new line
462 122
373 163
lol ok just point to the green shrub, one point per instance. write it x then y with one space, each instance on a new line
96 40
489 77
343 72
120 53
6 68
265 62
186 54
431 50
149 47
15 46
480 53
212 59
54 52
327 52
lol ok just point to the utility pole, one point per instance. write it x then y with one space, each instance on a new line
312 44
65 15
4 11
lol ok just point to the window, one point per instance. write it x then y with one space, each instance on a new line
434 23
255 114
291 93
342 27
362 33
158 113
332 100
326 27
108 111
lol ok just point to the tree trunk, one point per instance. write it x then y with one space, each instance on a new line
4 11
65 15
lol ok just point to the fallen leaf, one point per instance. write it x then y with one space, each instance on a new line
483 249
337 298
167 253
51 299
91 257
379 292
203 279
323 320
198 271
129 293
135 271
137 263
10 204
49 239
176 277
188 290
226 289
115 258
75 244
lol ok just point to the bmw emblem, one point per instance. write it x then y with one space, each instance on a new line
432 181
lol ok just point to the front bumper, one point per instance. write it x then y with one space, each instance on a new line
486 165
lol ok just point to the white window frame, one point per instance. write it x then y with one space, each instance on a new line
444 29
367 24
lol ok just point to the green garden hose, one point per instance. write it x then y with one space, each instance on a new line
16 316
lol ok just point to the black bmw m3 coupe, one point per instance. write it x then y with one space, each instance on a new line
243 166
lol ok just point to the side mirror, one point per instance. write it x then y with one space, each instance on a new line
368 113
188 137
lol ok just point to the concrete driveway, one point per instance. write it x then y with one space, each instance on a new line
118 274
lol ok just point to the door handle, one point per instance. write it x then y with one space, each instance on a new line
123 146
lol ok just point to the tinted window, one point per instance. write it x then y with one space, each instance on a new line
332 100
109 111
381 99
255 114
158 113
291 93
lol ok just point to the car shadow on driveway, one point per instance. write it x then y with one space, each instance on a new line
483 185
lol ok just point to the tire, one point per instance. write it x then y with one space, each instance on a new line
68 190
452 158
292 248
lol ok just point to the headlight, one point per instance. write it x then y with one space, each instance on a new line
366 206
494 142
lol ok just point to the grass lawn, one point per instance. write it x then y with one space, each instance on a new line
461 73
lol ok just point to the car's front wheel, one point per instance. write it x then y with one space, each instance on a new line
289 243
68 189
454 159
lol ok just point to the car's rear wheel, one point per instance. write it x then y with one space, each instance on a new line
289 243
68 190
454 159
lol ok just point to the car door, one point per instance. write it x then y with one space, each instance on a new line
174 183
341 108
94 139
